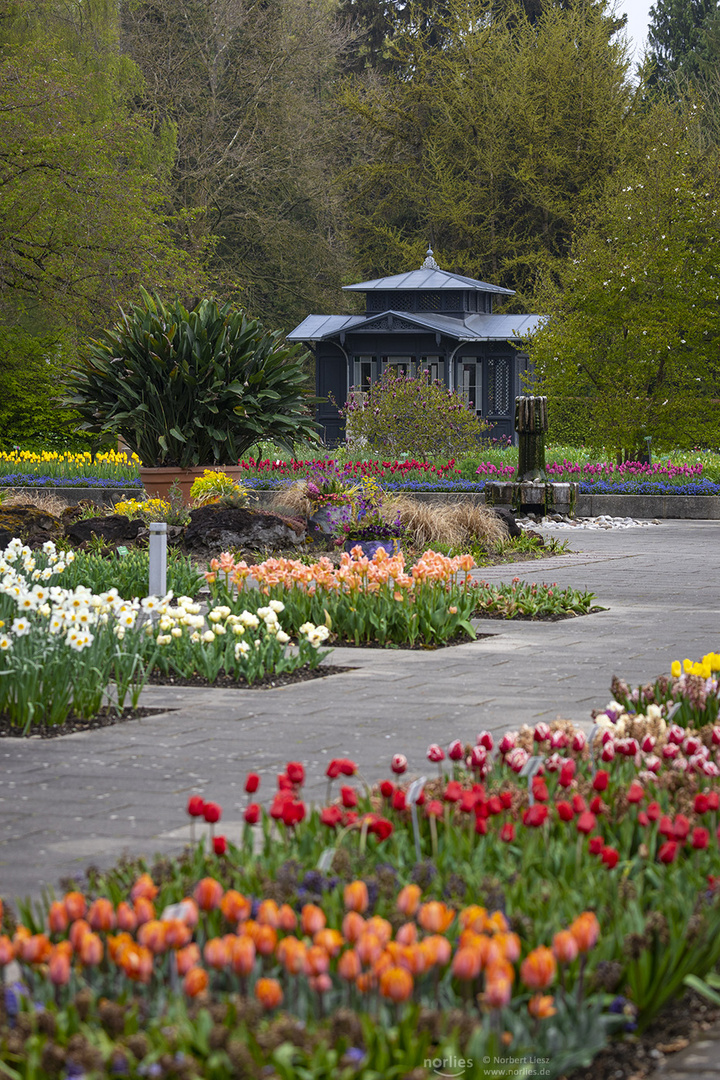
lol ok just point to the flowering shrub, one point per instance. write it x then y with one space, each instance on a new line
215 484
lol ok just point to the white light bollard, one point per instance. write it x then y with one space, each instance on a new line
158 558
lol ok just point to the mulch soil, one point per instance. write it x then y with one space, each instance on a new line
105 718
269 682
681 1023
555 617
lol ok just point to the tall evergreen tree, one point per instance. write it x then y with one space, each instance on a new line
680 36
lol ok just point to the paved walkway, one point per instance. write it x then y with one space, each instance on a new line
86 798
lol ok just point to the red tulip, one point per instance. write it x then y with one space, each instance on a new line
434 809
701 803
349 797
453 791
295 773
541 732
595 845
635 793
506 799
495 806
252 814
565 811
399 764
668 851
540 790
643 819
435 753
535 815
382 828
610 857
331 816
386 789
481 826
252 783
485 739
456 751
507 833
195 806
212 812
654 811
700 838
601 780
596 805
681 827
579 741
666 827
578 803
586 822
219 845
507 743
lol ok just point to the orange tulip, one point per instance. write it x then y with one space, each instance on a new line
75 905
369 947
187 958
144 910
466 963
509 946
91 949
320 983
384 961
474 918
312 919
538 968
287 919
101 915
153 935
268 914
498 991
408 900
435 917
413 958
77 932
317 961
355 895
541 1006
331 941
235 906
208 894
266 940
242 955
35 949
57 917
250 928
436 950
195 982
216 953
365 982
145 887
396 983
564 947
352 926
177 934
349 965
586 931
497 923
291 954
7 950
380 927
59 968
126 917
135 961
116 942
407 934
269 993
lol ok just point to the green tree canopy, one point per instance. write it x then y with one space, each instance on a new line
632 339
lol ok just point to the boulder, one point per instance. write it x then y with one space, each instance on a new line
30 524
508 518
213 530
113 529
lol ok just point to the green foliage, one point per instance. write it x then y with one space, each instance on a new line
632 338
82 215
30 370
474 146
398 412
129 573
678 41
187 388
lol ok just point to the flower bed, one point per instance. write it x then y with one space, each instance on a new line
24 468
64 651
380 600
535 897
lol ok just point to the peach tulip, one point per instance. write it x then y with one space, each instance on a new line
75 905
349 965
101 915
145 887
242 955
195 982
187 958
352 926
356 897
396 983
312 919
59 968
408 900
538 968
57 917
269 993
208 894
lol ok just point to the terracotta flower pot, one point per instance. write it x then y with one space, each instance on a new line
158 482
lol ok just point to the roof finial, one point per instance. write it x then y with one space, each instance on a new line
429 263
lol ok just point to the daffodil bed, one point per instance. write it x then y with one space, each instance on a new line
533 900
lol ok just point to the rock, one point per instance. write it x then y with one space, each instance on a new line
213 530
535 536
30 524
508 518
113 529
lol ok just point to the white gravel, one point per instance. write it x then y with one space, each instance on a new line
559 521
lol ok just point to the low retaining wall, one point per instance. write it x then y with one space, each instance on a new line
72 495
692 507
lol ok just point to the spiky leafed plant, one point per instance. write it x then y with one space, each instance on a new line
187 388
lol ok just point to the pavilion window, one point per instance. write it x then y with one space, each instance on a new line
469 382
401 365
435 367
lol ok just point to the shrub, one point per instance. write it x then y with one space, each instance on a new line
187 388
399 412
